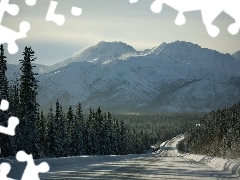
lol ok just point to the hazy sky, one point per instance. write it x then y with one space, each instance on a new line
111 20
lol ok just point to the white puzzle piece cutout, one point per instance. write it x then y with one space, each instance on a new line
4 170
4 105
76 11
59 19
12 124
133 1
210 11
12 9
12 121
30 2
31 171
7 35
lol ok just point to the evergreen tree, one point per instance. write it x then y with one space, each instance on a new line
89 134
79 132
14 100
48 138
28 105
69 131
99 132
7 150
107 134
56 148
217 135
123 138
3 78
116 137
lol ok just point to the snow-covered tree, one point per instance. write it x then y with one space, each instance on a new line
3 78
28 106
79 131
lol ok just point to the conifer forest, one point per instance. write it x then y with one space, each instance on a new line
217 134
59 133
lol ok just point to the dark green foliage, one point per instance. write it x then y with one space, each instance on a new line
218 134
48 136
160 127
99 134
3 78
58 135
78 136
56 132
4 139
27 130
14 100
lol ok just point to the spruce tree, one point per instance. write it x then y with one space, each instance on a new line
99 132
90 134
3 78
69 132
79 131
14 100
41 130
54 133
108 135
4 139
48 133
28 105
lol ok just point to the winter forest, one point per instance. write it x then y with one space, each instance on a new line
60 134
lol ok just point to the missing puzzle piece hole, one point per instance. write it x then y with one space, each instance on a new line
22 156
14 10
51 16
12 123
5 169
180 20
213 31
76 11
30 2
24 26
44 167
156 7
4 105
233 28
133 1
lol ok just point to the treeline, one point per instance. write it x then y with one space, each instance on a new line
217 134
161 127
58 134
21 95
70 134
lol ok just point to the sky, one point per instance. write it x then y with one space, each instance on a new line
110 20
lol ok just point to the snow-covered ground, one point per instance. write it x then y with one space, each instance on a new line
166 163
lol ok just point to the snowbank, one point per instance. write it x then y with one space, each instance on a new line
232 165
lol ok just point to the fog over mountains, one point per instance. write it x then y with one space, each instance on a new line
177 76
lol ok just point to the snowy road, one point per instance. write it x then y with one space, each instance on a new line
165 164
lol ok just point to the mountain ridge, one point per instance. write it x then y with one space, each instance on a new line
170 77
236 55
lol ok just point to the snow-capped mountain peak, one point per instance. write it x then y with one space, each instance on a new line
171 77
104 51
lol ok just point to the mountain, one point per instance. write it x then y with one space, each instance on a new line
100 53
177 76
236 55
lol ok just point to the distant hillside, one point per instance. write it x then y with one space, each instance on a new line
236 55
178 76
